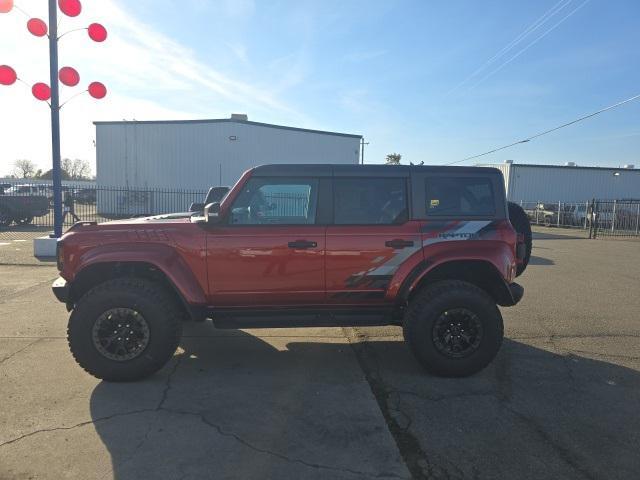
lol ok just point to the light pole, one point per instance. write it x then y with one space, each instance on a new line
51 94
362 144
55 119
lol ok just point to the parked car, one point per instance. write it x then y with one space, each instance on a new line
85 195
21 209
432 249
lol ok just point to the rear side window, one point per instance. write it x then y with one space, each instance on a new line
369 201
460 196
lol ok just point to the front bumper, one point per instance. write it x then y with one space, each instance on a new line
60 289
517 291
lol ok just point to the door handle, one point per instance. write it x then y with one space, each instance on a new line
398 243
299 244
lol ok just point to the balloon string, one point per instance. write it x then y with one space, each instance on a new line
74 30
21 10
71 98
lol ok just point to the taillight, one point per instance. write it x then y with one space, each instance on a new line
59 255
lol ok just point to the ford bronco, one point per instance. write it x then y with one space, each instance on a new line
434 250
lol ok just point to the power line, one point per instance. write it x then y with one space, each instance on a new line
635 97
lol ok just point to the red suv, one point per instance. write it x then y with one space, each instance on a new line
431 249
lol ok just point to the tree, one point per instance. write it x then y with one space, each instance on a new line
76 169
48 175
24 168
393 159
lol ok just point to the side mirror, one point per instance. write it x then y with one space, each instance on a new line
212 212
196 207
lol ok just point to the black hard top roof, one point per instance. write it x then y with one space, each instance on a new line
329 170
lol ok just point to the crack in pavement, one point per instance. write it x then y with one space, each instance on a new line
555 336
504 396
408 445
77 425
202 416
18 351
278 455
23 291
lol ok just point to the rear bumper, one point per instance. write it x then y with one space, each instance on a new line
60 289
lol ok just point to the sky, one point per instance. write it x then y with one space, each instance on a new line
435 81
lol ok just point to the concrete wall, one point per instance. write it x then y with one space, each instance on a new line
198 154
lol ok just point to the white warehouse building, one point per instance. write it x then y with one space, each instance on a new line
144 167
568 183
196 154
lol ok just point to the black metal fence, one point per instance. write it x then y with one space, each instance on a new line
32 203
600 218
615 218
558 214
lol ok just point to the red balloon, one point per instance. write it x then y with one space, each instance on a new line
71 8
41 91
97 90
69 76
97 32
6 6
37 27
7 75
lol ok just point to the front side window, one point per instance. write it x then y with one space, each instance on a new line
269 201
460 196
369 201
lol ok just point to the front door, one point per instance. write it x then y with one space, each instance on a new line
269 251
370 240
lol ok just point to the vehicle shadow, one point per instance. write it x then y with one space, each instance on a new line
534 260
540 235
237 406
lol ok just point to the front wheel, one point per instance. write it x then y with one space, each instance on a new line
453 328
125 329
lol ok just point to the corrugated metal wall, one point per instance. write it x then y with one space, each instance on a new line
568 184
198 155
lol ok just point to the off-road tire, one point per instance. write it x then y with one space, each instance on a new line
429 304
158 307
520 222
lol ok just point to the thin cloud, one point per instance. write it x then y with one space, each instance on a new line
365 55
148 76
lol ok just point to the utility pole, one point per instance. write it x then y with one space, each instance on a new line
362 144
55 118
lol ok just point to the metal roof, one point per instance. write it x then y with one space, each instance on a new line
568 167
327 170
226 120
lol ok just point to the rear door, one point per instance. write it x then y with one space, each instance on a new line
458 209
271 249
370 239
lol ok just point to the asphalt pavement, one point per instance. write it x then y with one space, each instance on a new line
560 401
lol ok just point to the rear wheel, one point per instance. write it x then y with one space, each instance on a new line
453 328
125 329
522 225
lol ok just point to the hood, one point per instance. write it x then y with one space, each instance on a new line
181 217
